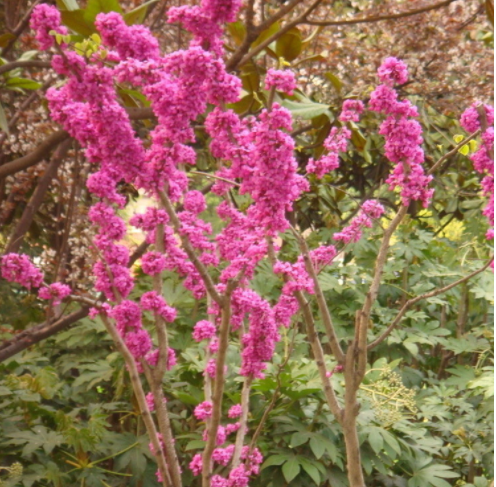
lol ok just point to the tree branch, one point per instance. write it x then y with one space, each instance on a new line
379 18
300 19
188 248
430 294
321 302
452 152
360 342
37 198
5 68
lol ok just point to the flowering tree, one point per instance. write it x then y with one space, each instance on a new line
258 181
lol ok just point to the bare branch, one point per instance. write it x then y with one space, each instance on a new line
379 18
452 152
5 68
37 198
362 321
140 396
430 294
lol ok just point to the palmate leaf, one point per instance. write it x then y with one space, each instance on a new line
432 475
38 437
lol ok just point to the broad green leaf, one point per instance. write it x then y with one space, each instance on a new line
289 45
299 438
376 440
237 31
306 111
275 460
137 15
76 21
67 5
275 27
310 469
95 7
24 83
291 469
318 448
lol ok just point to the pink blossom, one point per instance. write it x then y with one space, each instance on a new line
351 111
127 315
150 402
235 411
151 301
203 410
196 465
393 71
223 456
232 428
218 481
18 268
138 342
194 201
284 81
153 263
204 330
44 19
55 292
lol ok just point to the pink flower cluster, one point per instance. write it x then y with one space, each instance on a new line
203 411
19 268
337 140
204 330
55 292
352 109
370 210
205 21
43 20
403 135
483 158
284 81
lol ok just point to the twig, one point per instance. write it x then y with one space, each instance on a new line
379 18
140 396
453 151
430 294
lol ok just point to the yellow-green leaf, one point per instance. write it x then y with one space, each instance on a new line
137 15
289 45
3 120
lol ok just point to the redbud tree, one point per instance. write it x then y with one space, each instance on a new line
255 160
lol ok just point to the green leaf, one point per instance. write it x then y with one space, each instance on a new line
311 470
3 120
289 45
237 31
299 439
376 440
67 5
275 27
318 448
24 83
76 21
291 469
307 110
95 7
274 460
336 82
137 15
